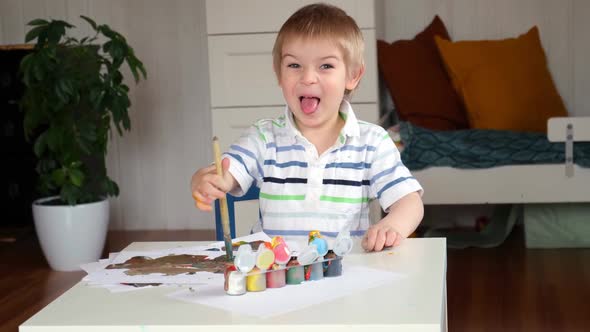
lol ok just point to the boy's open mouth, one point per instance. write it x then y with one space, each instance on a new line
309 104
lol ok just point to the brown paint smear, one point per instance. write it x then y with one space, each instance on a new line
178 264
172 265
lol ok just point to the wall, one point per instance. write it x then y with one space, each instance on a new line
170 113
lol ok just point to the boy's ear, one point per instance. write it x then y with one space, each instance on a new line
353 81
277 75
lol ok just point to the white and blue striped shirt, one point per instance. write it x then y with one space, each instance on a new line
301 191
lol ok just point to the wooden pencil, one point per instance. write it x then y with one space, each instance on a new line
223 203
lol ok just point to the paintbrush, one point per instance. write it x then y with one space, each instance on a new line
223 203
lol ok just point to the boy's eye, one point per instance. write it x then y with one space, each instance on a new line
326 66
293 65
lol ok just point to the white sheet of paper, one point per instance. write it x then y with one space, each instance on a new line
114 276
277 301
96 266
120 288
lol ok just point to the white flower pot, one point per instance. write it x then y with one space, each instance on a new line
71 235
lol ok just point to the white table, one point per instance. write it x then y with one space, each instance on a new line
415 303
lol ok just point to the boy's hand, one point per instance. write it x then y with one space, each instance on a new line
379 236
206 185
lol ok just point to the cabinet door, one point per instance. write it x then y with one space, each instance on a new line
230 123
241 73
238 16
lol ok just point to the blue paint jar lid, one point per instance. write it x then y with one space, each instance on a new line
321 245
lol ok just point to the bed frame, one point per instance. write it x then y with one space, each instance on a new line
516 184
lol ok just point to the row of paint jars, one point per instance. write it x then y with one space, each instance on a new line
272 265
238 283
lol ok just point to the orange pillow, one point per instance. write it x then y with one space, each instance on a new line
504 84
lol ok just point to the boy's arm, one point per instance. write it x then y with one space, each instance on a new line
403 218
399 194
406 214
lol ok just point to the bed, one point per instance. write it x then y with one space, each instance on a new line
462 168
565 181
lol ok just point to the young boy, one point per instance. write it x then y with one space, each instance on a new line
317 166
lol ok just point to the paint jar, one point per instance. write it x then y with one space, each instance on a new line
343 243
276 277
265 257
295 273
256 280
332 268
245 259
321 244
315 271
235 281
281 250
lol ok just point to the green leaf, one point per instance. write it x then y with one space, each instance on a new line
25 68
32 120
63 97
84 147
112 189
142 69
38 72
69 194
89 135
115 188
53 138
77 177
68 86
117 78
34 33
107 32
89 20
58 176
40 144
38 21
55 33
135 73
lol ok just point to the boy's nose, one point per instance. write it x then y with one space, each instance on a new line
309 76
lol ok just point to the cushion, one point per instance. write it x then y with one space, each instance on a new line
505 84
418 83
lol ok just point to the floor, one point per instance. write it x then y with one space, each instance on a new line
508 288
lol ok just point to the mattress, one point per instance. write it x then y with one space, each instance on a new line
476 148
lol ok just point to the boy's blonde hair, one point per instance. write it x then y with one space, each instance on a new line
319 21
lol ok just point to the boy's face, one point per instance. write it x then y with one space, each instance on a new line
313 77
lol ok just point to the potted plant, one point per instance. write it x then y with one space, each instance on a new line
74 93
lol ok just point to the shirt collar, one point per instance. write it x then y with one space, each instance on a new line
350 129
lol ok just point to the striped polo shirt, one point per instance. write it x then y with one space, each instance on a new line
302 191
